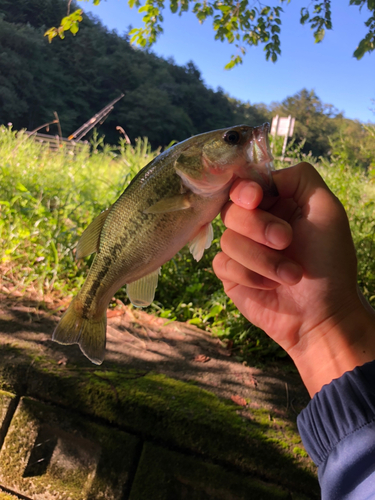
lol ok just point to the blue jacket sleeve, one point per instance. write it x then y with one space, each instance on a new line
338 431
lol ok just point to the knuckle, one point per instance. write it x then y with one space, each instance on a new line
225 241
219 264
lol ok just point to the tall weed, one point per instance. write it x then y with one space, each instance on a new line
46 200
356 190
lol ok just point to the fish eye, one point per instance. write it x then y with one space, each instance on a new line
232 137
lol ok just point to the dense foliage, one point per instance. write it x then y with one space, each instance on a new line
48 198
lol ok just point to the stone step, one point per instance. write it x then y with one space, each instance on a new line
167 475
49 453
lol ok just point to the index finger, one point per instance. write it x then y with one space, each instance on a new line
259 225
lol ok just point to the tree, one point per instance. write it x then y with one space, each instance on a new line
245 23
315 121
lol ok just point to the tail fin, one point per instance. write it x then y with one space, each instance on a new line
89 334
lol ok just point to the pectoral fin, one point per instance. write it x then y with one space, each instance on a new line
142 292
202 241
173 204
89 241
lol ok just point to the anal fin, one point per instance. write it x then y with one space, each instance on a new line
202 241
142 292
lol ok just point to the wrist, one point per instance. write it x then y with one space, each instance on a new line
336 346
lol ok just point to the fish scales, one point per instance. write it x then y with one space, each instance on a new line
169 203
118 252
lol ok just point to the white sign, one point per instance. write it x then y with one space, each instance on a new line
282 126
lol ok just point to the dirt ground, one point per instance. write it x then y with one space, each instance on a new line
144 342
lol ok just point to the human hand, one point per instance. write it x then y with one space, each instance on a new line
291 270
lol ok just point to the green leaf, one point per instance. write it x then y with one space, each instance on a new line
233 62
230 37
365 45
319 35
215 310
224 8
74 28
195 321
304 15
51 33
21 187
66 22
230 65
133 32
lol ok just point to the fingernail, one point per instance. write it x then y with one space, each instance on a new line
276 234
289 273
246 195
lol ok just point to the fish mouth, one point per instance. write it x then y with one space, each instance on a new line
258 154
259 150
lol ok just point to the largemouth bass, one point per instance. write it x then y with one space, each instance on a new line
168 204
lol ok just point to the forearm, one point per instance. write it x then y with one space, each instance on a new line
333 349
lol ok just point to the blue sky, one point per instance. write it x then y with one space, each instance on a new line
329 67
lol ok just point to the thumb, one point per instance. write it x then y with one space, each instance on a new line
306 187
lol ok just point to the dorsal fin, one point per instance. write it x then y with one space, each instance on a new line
89 241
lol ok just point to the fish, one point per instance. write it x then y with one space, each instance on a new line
171 202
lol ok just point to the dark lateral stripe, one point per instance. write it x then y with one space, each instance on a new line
90 295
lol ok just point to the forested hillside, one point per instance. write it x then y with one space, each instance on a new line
79 75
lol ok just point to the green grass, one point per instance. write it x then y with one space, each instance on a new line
48 198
